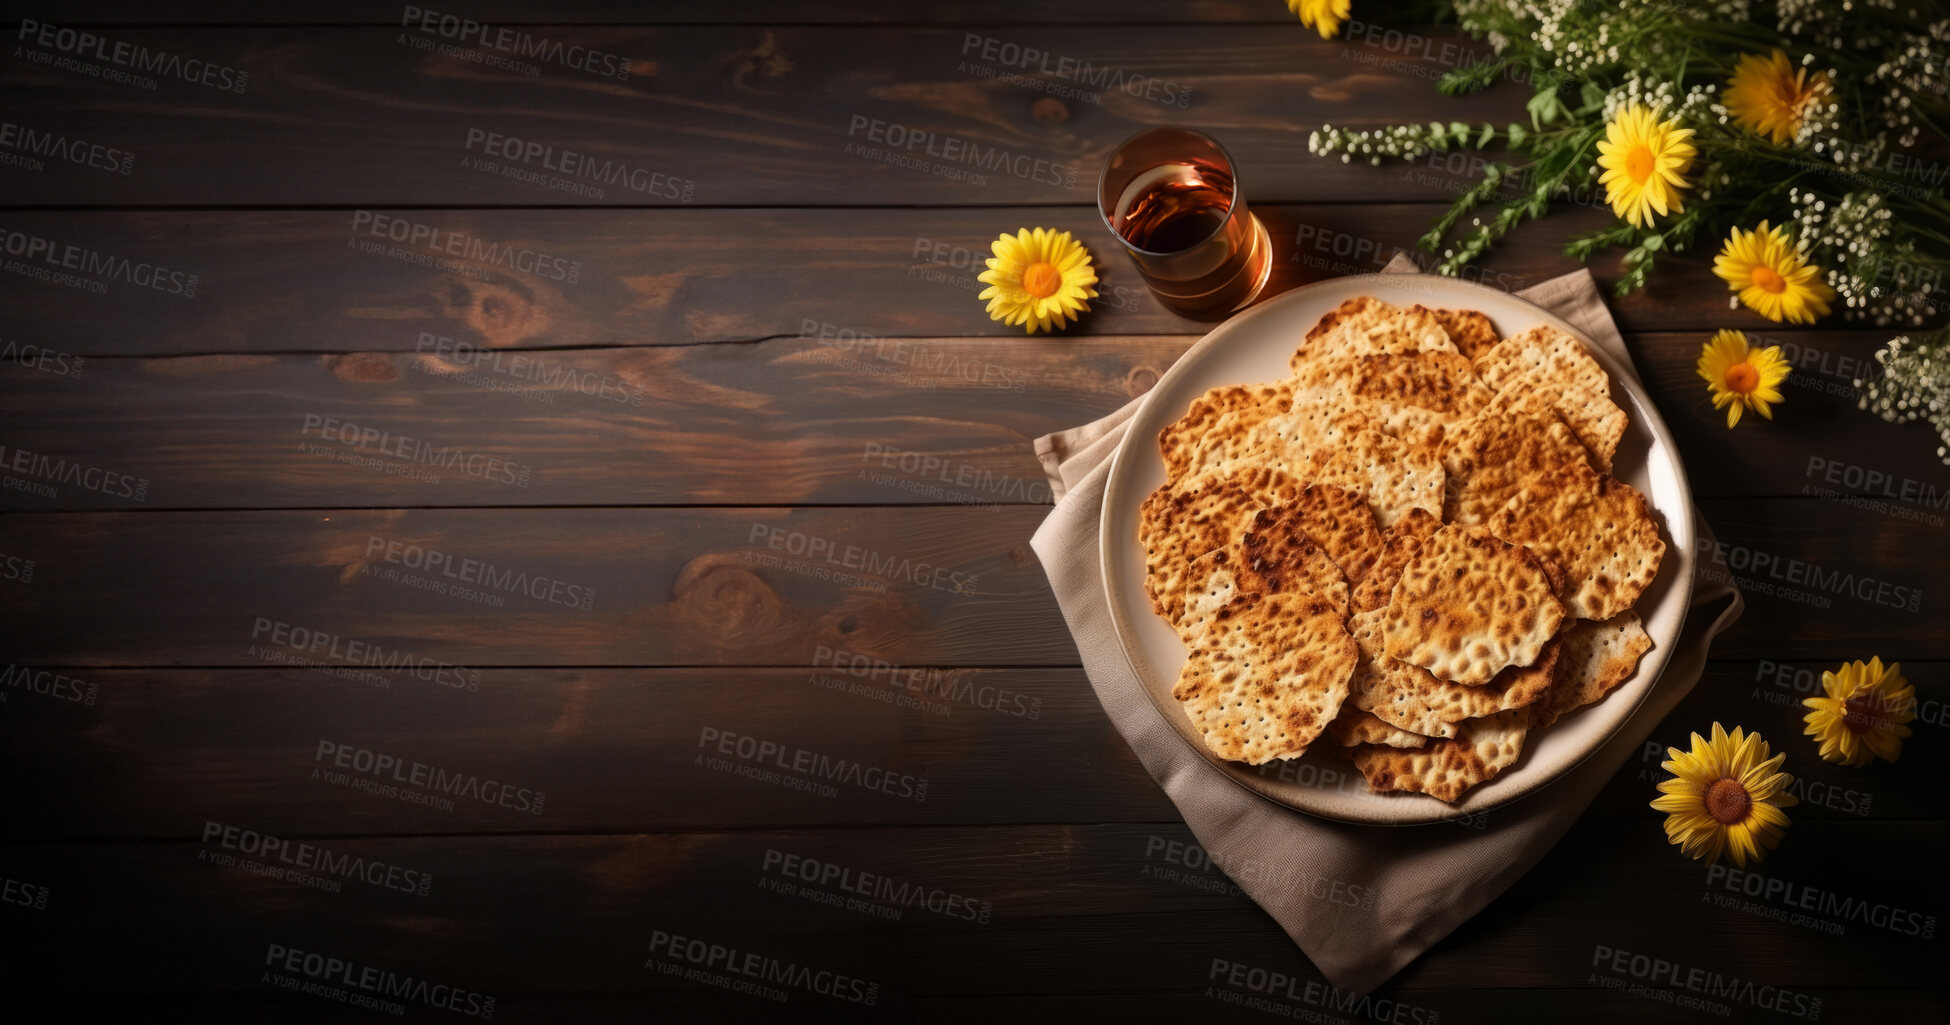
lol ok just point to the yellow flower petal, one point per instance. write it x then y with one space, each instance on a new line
1009 302
1636 189
1862 714
1772 278
1729 349
1771 97
1744 758
1324 16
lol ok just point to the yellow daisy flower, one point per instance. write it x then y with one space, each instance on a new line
1725 797
1771 277
1039 278
1771 96
1741 377
1644 161
1863 714
1324 16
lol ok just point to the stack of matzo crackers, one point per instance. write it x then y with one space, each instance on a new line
1413 543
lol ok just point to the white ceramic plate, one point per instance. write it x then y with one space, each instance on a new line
1254 346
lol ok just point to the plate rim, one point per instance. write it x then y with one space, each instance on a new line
1440 811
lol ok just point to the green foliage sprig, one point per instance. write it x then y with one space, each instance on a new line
1849 186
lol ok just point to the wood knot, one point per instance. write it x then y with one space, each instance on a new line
728 602
501 315
1139 381
1050 111
767 59
872 622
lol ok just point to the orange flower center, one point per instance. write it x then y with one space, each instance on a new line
1742 377
1728 802
1768 280
1638 164
1042 280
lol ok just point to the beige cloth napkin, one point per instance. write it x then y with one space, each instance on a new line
1424 880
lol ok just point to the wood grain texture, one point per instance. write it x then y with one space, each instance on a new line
690 738
1472 1004
320 281
162 752
1042 889
671 361
380 12
725 116
937 585
825 418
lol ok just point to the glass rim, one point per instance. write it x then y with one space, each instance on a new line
1232 201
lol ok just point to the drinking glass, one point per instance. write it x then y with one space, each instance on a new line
1171 196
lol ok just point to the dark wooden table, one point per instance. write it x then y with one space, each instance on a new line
354 465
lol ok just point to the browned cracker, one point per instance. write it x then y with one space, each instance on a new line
1179 439
1545 362
1365 325
1469 606
1409 697
1183 520
1267 676
1374 587
1469 330
1487 459
1599 530
1262 561
1446 769
1354 726
1598 656
1336 518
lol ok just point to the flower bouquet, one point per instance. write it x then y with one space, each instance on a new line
1782 132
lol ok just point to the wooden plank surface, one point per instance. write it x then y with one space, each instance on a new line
513 12
313 281
947 747
892 421
1040 889
930 585
728 449
1473 1004
724 116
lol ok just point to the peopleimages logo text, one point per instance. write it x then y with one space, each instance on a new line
485 574
961 151
381 981
798 760
1800 896
93 263
352 651
364 438
58 146
764 968
378 765
854 557
575 165
1661 973
311 857
520 366
89 46
514 41
48 683
875 887
465 246
1761 569
82 475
